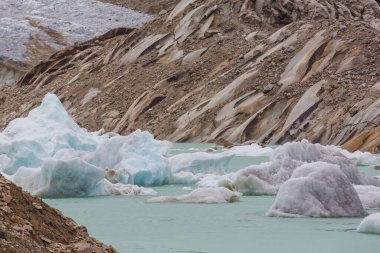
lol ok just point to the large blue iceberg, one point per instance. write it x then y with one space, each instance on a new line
48 154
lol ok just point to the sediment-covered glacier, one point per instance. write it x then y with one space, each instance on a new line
317 189
202 195
57 23
370 224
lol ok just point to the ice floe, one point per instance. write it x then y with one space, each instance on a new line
201 162
369 196
370 224
266 178
202 195
317 189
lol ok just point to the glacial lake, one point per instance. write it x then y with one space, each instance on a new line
132 225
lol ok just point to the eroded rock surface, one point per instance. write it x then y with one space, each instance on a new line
273 71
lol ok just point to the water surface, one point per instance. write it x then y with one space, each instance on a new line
132 225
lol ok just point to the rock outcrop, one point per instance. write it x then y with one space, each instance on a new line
225 71
27 224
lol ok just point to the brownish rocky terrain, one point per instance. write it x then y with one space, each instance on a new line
227 71
147 6
27 225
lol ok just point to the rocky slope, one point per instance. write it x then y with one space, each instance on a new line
29 225
227 71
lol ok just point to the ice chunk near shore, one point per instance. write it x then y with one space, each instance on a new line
202 195
370 224
317 189
369 196
48 154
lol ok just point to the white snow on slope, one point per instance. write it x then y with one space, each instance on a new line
317 189
370 224
77 20
202 195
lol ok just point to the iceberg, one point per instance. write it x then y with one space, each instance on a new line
251 150
317 189
370 224
369 196
201 162
48 154
202 195
267 178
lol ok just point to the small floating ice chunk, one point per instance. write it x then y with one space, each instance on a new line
200 162
202 195
105 188
251 150
317 189
369 195
370 224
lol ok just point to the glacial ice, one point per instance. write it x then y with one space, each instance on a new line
201 162
75 20
49 155
370 224
251 150
369 196
202 195
266 178
317 189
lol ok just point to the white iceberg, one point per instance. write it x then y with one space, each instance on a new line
369 196
266 178
370 224
251 150
202 195
201 162
317 189
49 155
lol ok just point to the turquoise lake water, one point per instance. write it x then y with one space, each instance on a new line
132 225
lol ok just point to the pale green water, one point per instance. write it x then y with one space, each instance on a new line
132 225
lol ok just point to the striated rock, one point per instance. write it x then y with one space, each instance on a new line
273 72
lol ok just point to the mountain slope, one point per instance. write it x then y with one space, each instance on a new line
225 71
29 225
